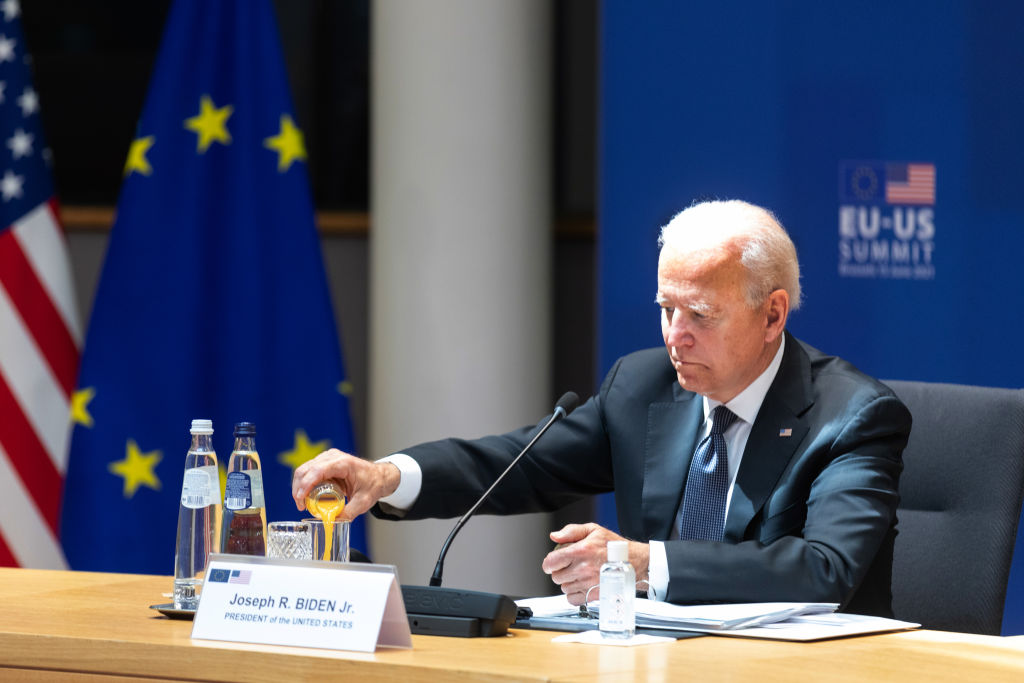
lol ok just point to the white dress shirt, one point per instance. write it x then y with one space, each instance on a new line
745 405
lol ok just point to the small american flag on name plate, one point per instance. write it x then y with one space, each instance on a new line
240 576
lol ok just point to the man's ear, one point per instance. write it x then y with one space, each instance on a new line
776 312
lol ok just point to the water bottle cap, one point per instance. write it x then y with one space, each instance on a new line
618 551
245 429
202 427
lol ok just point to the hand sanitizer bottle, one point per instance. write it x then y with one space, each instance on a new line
618 589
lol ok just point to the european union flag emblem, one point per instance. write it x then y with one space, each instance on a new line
213 301
862 182
218 575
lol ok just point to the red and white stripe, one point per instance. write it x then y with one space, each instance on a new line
40 343
918 189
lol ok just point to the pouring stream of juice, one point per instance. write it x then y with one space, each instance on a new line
326 508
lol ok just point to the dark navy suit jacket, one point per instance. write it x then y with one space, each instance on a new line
813 510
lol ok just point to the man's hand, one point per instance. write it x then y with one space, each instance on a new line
363 482
575 563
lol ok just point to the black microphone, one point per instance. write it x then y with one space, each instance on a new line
565 405
444 611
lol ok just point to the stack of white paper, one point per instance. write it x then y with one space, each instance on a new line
550 606
720 617
801 621
688 617
822 627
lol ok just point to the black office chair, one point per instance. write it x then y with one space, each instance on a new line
960 502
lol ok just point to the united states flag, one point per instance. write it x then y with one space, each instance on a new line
910 183
240 576
40 336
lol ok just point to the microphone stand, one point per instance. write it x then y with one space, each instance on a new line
435 579
433 610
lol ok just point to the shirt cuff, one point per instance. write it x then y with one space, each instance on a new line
657 572
409 483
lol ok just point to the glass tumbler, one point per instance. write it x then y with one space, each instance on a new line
332 547
289 540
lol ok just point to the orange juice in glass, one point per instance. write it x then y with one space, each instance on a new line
326 502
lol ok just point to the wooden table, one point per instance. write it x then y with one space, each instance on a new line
66 626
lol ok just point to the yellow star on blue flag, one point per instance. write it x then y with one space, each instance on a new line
210 124
302 451
137 161
289 144
80 406
137 469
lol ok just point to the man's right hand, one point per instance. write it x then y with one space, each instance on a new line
363 482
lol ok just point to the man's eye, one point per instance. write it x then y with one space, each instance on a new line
668 311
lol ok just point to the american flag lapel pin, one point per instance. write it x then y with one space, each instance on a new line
786 432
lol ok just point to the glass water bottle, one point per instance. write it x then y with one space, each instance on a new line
245 511
198 516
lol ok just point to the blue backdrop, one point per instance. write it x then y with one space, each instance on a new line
818 111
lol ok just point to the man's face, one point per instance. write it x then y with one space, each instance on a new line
718 343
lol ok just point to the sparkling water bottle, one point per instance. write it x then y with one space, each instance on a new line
198 516
618 590
245 514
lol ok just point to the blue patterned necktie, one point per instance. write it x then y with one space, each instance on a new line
701 515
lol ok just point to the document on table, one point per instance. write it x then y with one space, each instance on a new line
821 627
774 620
550 606
720 617
651 613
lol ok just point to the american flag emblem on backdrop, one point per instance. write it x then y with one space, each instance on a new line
40 336
910 183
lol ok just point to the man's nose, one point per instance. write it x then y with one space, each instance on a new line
678 333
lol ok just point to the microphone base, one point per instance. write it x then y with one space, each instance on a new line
436 611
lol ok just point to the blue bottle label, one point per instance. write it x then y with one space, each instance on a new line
238 491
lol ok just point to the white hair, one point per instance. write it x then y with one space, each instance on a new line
766 250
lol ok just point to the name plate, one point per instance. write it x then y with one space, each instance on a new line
308 603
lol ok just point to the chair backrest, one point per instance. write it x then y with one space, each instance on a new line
960 502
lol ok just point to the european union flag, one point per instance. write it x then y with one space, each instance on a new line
218 576
213 301
862 182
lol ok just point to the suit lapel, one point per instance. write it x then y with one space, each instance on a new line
777 432
671 437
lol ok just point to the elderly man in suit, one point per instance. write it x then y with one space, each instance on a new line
747 466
